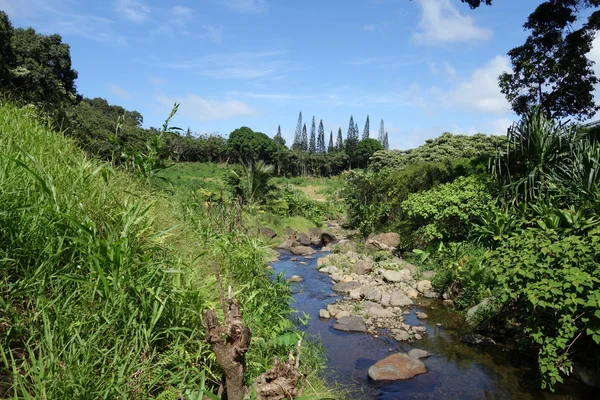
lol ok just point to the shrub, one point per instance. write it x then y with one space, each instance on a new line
550 284
447 211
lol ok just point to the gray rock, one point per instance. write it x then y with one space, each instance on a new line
355 293
324 314
350 324
430 294
421 315
418 353
337 277
302 250
475 338
289 231
345 287
295 278
385 299
396 367
586 376
315 233
342 314
397 276
363 267
288 244
410 267
423 286
473 316
403 336
267 232
303 239
419 328
428 274
400 299
383 241
328 270
371 293
344 246
327 238
412 293
378 312
418 337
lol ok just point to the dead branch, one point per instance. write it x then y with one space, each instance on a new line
281 381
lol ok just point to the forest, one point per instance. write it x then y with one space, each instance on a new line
109 252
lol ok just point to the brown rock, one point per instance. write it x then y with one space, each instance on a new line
395 367
302 250
267 232
383 241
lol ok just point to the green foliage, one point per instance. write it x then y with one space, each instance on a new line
249 146
551 282
365 150
374 199
291 202
250 183
447 211
447 147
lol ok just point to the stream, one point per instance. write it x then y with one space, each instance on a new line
455 370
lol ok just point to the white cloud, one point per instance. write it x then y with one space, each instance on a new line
206 109
501 125
118 91
247 6
594 55
450 71
441 22
133 10
180 11
481 91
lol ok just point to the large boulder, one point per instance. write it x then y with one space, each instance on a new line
350 324
288 244
315 233
418 353
374 310
326 238
424 286
383 241
475 338
396 367
371 293
302 251
344 246
362 267
345 287
400 299
267 232
303 239
396 276
473 316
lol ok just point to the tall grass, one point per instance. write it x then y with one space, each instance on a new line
103 281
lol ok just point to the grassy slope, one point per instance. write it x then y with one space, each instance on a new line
96 302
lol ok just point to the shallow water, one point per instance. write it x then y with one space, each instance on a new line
455 370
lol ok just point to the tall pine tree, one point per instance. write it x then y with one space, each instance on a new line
386 143
381 133
339 144
312 145
330 148
297 145
321 138
278 138
366 130
351 138
304 140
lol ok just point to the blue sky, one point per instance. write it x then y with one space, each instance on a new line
423 66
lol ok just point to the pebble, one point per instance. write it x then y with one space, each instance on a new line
418 337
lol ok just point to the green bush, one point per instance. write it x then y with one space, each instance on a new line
549 284
447 211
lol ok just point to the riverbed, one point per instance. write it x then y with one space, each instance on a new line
455 370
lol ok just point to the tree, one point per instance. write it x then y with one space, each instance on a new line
351 139
321 138
381 132
7 57
365 149
304 140
42 72
339 144
312 145
330 148
297 145
365 134
386 143
278 139
551 69
249 146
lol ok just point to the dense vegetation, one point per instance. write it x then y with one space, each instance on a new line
521 227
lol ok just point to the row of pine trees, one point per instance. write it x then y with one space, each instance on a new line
316 142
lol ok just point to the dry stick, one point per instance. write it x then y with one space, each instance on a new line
220 284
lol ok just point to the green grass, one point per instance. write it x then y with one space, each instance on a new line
196 175
103 278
